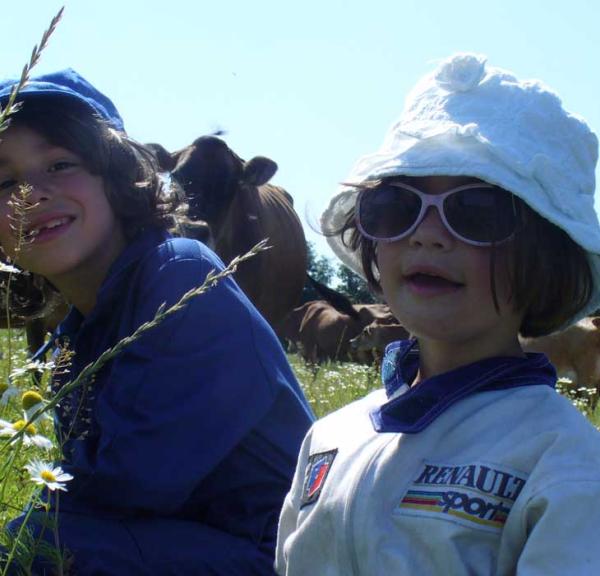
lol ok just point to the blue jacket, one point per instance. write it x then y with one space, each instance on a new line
190 435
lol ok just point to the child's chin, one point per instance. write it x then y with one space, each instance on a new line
434 328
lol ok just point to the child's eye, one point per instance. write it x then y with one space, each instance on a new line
7 184
62 165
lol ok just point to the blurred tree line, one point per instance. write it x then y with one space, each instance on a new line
336 276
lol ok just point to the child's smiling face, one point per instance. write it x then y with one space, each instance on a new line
439 287
71 234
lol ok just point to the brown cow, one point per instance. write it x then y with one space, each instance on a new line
232 196
370 344
322 329
33 306
325 332
375 312
575 353
289 328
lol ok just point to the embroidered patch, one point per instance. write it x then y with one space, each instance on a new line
317 469
476 495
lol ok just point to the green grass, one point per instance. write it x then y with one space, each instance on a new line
15 486
332 385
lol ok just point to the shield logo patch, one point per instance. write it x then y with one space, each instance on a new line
317 470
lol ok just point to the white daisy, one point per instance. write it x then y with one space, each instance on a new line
4 267
44 474
32 367
30 438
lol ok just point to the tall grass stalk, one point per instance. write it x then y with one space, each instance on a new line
11 106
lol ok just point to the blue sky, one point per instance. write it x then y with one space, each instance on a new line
312 84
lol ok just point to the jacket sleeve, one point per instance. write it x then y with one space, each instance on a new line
562 525
288 519
177 401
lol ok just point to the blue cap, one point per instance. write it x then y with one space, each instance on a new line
66 83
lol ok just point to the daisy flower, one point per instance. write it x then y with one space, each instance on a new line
32 367
32 401
44 474
4 267
30 438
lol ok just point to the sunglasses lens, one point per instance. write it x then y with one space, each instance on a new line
483 215
387 211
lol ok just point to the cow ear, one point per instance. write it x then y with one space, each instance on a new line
166 161
259 170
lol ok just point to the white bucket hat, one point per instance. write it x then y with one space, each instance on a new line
470 119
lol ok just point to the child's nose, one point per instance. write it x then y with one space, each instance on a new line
37 189
432 232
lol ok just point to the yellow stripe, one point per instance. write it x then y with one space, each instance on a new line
463 515
422 507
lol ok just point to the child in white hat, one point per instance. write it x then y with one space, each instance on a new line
476 222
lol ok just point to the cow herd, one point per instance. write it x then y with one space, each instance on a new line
232 207
319 331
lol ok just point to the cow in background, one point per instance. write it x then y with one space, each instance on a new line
380 313
289 328
369 345
33 305
322 329
232 196
575 353
324 332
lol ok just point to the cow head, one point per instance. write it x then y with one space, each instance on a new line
27 297
211 174
363 340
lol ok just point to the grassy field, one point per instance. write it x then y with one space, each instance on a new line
15 487
334 384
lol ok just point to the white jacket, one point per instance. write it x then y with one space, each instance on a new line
503 482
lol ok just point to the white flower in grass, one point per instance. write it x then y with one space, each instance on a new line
32 367
44 474
4 267
30 438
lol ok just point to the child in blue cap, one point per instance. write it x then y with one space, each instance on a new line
182 447
476 222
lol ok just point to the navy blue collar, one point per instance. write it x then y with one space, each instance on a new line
133 252
418 407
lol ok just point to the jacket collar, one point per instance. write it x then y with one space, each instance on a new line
411 410
133 252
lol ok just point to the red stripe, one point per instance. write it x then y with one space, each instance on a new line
317 481
429 502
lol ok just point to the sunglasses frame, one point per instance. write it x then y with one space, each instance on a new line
427 200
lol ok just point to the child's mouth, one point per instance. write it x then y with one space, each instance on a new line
48 230
431 285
